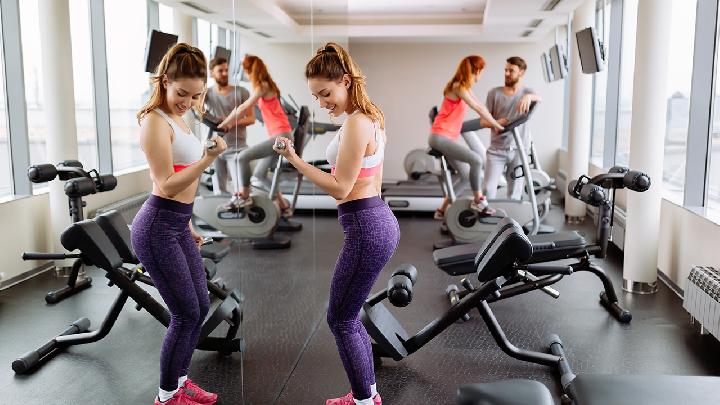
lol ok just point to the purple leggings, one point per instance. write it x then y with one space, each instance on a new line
162 241
371 236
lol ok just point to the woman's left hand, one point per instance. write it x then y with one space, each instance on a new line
284 147
197 237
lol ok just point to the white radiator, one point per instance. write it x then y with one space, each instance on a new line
128 207
702 298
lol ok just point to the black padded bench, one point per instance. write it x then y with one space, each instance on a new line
459 260
600 390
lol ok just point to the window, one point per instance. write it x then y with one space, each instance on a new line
204 37
713 187
600 91
166 18
32 69
6 178
627 71
126 34
82 71
680 64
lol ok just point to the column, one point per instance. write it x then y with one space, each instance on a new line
580 111
56 49
646 144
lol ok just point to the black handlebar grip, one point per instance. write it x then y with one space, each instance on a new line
592 194
79 187
618 169
636 181
71 163
106 182
41 173
399 290
572 189
408 270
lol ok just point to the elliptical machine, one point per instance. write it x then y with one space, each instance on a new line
78 184
258 221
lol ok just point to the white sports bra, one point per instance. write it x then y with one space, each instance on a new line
186 148
370 164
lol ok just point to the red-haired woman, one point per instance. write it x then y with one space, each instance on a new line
445 131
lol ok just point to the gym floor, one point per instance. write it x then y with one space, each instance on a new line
290 353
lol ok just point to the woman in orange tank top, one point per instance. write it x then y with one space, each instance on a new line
446 127
266 95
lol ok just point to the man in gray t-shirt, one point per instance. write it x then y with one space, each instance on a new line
506 104
220 100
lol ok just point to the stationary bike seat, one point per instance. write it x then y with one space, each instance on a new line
435 153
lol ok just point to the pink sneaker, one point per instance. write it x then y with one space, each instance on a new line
180 398
348 400
197 394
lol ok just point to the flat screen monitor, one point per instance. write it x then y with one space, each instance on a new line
558 62
546 67
157 45
590 51
222 52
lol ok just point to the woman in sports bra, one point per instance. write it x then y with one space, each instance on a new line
445 131
371 230
162 237
267 96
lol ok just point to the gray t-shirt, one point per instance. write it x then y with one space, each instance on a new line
218 107
503 106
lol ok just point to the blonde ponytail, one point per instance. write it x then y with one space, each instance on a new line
180 61
331 62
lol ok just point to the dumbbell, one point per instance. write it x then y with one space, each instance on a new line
452 292
400 285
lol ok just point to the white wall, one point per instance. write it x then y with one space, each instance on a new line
407 79
28 228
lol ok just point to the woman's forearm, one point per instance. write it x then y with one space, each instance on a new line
327 182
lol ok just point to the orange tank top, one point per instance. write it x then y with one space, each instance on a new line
274 116
450 118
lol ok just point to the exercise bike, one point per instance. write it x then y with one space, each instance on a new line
466 225
78 184
258 221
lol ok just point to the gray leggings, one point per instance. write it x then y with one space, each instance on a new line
468 160
263 151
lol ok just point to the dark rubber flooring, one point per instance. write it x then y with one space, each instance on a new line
290 354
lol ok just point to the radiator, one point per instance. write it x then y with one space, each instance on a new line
128 207
702 298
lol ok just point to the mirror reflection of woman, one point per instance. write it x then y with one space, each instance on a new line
266 95
162 236
371 230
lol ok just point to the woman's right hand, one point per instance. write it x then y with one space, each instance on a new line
498 127
220 147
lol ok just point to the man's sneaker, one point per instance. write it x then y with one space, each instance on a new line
286 213
482 207
236 203
439 214
348 400
197 394
180 398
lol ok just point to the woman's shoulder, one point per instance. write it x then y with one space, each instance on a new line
154 122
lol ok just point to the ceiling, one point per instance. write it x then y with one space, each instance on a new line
386 20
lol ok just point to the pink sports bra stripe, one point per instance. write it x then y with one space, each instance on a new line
177 168
365 171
